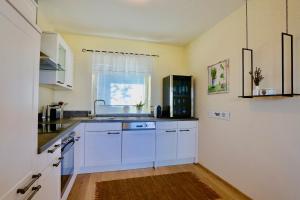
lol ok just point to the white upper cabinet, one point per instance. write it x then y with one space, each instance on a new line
59 52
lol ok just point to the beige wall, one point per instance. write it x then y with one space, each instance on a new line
258 150
171 61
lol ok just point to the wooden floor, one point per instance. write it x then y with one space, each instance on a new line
84 186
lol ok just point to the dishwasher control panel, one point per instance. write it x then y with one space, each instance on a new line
138 126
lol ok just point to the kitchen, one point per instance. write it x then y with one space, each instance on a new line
103 109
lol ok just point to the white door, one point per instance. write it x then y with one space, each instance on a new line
166 145
102 148
138 146
19 56
186 143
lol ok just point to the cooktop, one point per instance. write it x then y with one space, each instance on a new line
52 128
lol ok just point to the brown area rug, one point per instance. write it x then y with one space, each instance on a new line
179 186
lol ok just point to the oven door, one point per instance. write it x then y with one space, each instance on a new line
67 167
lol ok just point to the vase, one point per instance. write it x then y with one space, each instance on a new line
213 82
256 91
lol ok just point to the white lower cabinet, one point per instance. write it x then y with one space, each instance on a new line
138 147
102 148
108 148
166 145
186 143
49 166
50 184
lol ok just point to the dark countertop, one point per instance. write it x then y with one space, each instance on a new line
65 126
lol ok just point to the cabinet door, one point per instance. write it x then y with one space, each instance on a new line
166 145
102 148
78 162
62 61
69 68
19 55
138 147
50 184
186 143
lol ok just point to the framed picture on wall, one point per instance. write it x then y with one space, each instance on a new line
218 77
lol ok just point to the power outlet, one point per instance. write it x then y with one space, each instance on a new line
219 115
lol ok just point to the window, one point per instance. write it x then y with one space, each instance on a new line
121 85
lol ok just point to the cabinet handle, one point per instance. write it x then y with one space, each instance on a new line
113 133
69 86
60 82
34 178
185 130
54 149
58 163
35 190
171 131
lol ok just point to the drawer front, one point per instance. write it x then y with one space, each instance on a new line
27 8
166 125
91 127
102 148
166 145
186 143
138 147
187 124
45 159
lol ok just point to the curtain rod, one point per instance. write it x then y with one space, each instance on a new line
117 52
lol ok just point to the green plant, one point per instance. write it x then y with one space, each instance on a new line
140 105
213 73
257 76
222 76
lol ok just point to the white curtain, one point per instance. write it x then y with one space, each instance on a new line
126 63
122 79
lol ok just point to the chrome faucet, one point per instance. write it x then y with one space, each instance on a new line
98 100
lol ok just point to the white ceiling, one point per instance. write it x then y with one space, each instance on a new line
165 21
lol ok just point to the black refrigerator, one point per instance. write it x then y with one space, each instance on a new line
178 97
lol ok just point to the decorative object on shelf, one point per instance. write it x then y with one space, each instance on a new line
218 77
139 107
257 78
271 92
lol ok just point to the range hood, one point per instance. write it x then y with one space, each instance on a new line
46 63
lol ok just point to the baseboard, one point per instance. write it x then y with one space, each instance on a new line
112 168
222 180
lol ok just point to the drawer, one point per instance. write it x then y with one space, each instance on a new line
91 127
187 124
45 159
166 125
28 8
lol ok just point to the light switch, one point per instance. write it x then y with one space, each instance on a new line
219 115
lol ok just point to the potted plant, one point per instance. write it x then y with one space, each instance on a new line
257 78
139 106
213 74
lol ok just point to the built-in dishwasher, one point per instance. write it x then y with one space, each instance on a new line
138 143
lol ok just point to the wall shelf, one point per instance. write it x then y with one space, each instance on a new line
266 96
290 93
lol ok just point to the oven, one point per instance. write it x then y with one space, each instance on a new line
67 162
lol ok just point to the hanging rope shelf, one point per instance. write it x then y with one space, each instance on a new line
284 35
